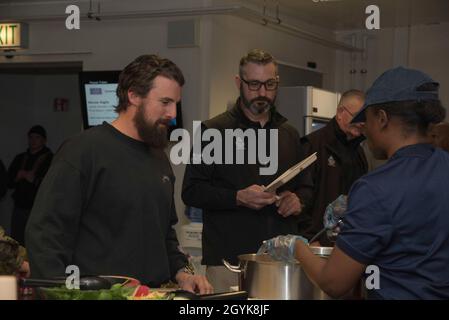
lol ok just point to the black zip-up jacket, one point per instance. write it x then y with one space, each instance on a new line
230 230
340 163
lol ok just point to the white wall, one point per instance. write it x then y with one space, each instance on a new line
28 100
430 53
424 47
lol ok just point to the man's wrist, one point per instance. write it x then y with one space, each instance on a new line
237 198
186 269
183 274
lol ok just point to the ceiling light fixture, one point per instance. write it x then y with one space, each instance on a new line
266 20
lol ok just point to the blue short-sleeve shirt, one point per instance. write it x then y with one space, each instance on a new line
398 220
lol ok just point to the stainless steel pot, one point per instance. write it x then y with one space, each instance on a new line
264 278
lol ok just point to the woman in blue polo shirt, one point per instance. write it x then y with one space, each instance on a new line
398 215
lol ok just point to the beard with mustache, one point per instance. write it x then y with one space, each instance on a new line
258 105
153 134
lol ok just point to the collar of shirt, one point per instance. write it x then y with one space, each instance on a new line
422 150
136 144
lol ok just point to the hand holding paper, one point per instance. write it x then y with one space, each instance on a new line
291 173
255 197
288 204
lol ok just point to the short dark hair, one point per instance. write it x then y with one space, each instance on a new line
138 77
416 116
256 56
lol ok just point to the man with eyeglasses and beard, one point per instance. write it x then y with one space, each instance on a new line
237 212
106 204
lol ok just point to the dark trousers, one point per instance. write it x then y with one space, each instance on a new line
18 223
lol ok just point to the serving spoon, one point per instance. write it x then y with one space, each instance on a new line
322 231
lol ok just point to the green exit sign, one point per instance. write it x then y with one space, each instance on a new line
13 35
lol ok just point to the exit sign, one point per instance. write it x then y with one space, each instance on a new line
13 35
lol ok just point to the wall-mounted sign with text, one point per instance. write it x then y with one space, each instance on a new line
13 35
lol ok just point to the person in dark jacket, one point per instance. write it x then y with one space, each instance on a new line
25 175
106 204
3 180
341 161
237 213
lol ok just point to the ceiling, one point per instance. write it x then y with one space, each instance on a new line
31 1
332 14
350 14
26 2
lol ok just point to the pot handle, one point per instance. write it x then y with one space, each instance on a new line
230 267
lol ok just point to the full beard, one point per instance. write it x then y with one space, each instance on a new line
153 134
258 105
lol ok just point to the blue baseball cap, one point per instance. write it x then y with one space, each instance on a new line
398 84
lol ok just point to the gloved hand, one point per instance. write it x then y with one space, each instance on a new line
335 212
281 247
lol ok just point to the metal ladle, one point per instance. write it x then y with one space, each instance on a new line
317 235
322 231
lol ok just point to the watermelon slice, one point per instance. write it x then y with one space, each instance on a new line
141 291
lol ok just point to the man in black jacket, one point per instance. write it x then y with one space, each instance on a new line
341 161
237 214
106 204
25 175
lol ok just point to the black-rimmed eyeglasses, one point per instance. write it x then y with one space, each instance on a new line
347 110
255 85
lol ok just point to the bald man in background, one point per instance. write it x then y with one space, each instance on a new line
341 161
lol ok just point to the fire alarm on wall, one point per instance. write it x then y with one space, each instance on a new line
60 105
